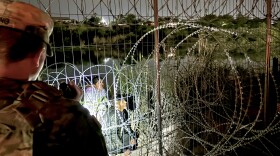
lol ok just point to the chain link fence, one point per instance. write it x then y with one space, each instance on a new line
212 97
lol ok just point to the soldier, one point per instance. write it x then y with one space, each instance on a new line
35 118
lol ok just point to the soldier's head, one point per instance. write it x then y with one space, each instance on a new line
24 39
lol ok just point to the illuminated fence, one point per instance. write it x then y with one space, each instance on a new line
212 61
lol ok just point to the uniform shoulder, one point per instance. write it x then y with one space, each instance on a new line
48 89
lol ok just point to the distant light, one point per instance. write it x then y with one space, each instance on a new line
106 60
104 21
171 55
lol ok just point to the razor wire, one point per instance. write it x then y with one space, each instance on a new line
209 105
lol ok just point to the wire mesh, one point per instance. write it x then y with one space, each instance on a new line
211 81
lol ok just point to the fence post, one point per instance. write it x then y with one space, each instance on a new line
267 63
157 58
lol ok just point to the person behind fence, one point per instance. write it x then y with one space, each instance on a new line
35 119
96 100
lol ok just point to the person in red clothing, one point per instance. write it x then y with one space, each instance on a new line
35 118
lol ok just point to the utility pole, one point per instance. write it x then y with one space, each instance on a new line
158 95
267 106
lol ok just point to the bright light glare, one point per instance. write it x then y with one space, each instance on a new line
106 60
104 21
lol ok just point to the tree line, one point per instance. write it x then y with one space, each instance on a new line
92 40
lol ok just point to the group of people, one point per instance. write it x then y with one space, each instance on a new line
35 118
111 113
96 99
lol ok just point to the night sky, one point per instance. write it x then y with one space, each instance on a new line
81 9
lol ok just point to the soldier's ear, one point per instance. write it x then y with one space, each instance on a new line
37 57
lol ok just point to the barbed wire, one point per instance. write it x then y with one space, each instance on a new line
209 107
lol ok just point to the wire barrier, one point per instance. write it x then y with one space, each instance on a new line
212 59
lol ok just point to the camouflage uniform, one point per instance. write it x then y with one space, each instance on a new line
36 119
